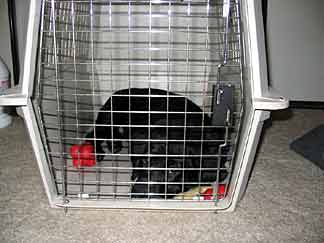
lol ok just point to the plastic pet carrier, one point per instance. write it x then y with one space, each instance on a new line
145 104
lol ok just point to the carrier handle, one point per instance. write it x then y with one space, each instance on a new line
13 97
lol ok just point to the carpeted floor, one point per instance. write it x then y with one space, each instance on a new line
284 201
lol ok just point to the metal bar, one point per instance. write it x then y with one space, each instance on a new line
145 2
154 13
112 97
93 91
38 105
204 106
141 43
52 139
52 126
242 111
143 29
186 101
59 121
142 62
81 174
127 183
129 79
149 105
168 102
107 170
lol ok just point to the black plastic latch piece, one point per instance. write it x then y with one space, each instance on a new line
223 104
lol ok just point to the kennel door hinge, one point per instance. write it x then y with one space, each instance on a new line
13 97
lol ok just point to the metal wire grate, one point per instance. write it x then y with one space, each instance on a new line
139 80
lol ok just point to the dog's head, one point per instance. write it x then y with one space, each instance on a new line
162 173
157 177
105 136
179 160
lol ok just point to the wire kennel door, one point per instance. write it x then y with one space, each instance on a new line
164 91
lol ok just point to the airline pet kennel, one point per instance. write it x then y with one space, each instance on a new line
145 104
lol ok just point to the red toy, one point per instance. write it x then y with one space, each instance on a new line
83 155
208 194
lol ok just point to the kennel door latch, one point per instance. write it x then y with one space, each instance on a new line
223 104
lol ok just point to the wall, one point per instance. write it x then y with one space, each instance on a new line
22 10
295 46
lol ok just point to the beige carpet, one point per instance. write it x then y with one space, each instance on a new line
284 201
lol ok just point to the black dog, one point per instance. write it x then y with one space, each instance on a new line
140 107
187 164
145 112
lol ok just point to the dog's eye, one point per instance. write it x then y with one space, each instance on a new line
170 172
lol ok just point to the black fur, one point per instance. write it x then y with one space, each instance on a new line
174 175
131 107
